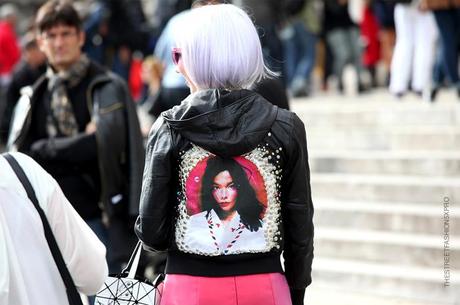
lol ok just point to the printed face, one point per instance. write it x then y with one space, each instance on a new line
224 191
62 45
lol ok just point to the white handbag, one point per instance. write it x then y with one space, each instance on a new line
127 289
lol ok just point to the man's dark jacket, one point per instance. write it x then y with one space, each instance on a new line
119 141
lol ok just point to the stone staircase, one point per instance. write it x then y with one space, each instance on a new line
380 170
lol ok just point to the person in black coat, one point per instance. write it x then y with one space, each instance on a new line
29 69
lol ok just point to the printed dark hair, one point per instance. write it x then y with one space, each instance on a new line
252 208
54 13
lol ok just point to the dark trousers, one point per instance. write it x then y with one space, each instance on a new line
448 22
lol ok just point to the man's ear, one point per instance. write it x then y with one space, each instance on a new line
81 38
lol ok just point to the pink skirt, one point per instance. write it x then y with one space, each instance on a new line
266 289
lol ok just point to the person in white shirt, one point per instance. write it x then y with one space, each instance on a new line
28 272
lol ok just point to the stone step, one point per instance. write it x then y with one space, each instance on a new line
385 247
386 216
326 294
378 114
440 163
391 188
397 138
391 280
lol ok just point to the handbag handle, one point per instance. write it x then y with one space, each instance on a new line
133 262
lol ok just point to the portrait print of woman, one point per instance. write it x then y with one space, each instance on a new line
231 214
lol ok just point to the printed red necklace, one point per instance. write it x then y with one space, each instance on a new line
238 230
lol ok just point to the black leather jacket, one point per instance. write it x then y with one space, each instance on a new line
264 139
120 149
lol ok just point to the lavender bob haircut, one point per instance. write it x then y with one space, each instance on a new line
221 49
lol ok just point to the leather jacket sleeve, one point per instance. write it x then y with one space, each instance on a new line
119 141
77 149
297 213
154 224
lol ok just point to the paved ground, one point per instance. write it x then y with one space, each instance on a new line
317 295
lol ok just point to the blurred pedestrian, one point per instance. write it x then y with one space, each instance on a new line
229 146
79 122
26 72
447 16
96 27
384 11
370 37
299 38
414 53
28 272
9 49
165 10
268 16
151 74
127 24
122 61
439 75
173 88
343 37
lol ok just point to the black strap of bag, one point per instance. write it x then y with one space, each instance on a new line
132 259
72 293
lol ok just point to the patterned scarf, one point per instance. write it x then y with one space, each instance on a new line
62 117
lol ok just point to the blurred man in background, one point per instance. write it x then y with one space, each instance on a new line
26 72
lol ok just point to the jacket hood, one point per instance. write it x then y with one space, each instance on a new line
226 123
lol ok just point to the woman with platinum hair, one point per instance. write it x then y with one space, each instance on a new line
221 51
223 151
